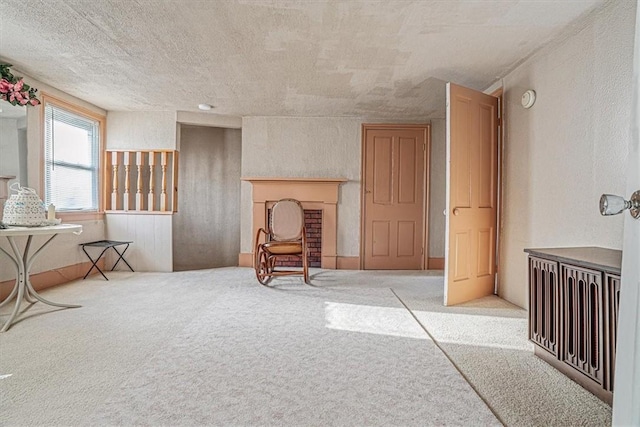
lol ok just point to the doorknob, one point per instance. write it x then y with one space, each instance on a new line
456 211
367 191
613 205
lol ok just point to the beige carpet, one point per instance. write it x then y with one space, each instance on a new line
213 347
487 340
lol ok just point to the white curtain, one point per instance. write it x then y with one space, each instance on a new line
626 399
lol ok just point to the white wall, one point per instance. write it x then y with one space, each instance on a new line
63 251
309 147
9 153
142 130
151 249
570 147
437 188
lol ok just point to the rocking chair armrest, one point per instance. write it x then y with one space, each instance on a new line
260 230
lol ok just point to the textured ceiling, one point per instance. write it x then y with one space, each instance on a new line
386 59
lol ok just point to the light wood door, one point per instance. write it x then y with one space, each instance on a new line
472 153
394 197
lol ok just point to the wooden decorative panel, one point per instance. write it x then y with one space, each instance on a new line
578 336
611 307
543 303
582 316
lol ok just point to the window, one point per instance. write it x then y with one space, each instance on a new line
72 159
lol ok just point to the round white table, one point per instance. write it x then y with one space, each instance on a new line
23 262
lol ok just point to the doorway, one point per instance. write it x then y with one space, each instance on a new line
395 191
206 228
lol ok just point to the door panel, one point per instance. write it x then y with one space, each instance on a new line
484 251
472 144
461 263
406 238
407 171
382 157
394 184
381 238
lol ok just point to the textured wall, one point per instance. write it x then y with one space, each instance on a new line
327 147
570 147
151 237
9 159
64 250
141 130
209 119
437 188
206 228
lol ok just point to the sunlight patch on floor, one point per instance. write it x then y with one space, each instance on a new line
477 330
372 320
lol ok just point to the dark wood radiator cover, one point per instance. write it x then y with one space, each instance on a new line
573 312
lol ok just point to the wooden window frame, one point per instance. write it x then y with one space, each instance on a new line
83 215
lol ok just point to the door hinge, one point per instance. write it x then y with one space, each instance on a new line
424 146
422 251
499 121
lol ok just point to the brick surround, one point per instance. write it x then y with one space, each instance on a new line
313 225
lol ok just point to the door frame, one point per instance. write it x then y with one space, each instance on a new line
426 127
498 93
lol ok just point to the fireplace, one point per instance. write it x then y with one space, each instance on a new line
315 194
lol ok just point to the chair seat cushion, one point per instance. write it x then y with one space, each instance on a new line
283 248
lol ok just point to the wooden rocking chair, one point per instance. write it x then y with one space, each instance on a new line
285 236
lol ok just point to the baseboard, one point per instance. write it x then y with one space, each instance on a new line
348 263
245 259
50 278
341 262
435 264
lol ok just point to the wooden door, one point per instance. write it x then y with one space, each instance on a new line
394 197
471 205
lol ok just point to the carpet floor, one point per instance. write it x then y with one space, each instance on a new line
212 347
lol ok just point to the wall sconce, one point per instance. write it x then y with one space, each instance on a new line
613 205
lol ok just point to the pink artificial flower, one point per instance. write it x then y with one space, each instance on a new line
18 86
34 101
5 86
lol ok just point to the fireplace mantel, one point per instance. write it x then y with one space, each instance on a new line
313 193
